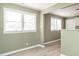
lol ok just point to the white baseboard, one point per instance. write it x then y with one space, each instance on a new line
51 41
62 55
42 46
38 45
12 52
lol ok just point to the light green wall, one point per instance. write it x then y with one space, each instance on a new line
70 42
48 34
10 42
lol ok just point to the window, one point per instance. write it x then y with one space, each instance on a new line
70 24
29 22
15 21
55 23
12 20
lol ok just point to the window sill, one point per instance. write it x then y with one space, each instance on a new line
19 32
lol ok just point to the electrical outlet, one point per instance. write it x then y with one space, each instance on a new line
27 44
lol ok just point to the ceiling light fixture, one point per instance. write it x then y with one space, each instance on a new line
77 9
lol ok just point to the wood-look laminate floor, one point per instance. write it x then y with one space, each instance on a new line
52 49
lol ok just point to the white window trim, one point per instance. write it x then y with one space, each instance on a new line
22 12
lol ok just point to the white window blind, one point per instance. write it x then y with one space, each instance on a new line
15 21
12 20
29 22
70 24
55 23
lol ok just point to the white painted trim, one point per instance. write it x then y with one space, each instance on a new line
42 46
62 55
51 41
38 45
12 52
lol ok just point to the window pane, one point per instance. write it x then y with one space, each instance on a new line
12 20
29 22
29 18
59 24
55 23
29 26
70 24
13 26
11 15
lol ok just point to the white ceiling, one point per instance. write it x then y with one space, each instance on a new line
37 6
67 12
